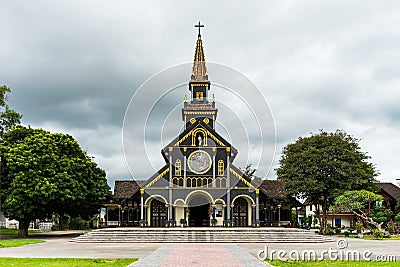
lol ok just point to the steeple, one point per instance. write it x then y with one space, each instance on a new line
199 70
199 107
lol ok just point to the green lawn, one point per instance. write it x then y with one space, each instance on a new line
328 263
370 237
6 231
64 262
17 242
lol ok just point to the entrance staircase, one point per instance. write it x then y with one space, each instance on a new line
201 235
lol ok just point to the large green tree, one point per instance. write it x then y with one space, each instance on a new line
47 173
8 117
322 166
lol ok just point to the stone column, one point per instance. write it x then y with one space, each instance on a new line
184 167
119 215
169 220
257 223
228 185
253 215
185 214
141 204
279 214
145 223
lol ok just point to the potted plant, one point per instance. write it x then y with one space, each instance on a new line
183 222
359 227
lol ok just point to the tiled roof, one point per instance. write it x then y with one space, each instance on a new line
125 189
273 188
391 189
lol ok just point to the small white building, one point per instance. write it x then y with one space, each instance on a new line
339 220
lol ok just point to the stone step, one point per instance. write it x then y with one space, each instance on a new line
201 235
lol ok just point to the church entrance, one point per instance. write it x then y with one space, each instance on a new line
240 212
198 216
199 208
158 213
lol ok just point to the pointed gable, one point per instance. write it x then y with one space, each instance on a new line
188 138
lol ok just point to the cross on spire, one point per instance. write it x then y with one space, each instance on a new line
199 26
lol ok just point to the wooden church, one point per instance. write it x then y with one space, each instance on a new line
199 185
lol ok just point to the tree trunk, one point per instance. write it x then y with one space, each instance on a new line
324 215
23 228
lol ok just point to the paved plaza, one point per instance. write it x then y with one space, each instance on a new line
184 254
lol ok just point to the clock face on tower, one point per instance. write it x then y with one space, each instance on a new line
199 161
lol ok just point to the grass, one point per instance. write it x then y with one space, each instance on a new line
370 237
17 242
7 231
330 263
64 262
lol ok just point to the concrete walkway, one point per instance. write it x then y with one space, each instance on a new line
150 254
185 254
175 255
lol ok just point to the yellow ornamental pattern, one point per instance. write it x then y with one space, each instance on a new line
158 178
209 134
241 178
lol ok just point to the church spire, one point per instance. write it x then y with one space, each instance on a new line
199 70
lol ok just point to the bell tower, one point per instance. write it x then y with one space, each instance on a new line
199 106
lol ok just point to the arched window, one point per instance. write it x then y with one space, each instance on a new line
178 167
221 167
199 96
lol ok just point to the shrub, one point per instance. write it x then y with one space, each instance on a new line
377 234
359 226
79 224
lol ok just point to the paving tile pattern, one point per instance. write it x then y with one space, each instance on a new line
199 255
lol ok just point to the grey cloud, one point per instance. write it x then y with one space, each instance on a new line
73 67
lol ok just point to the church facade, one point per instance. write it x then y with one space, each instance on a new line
199 185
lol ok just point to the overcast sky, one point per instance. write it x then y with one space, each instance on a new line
73 67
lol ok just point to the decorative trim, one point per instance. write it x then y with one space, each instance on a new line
208 134
157 178
199 84
245 197
241 178
199 112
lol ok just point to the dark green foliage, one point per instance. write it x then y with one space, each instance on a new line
45 174
323 166
378 234
380 214
398 206
8 117
249 172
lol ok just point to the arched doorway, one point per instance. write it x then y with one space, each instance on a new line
199 211
158 213
240 212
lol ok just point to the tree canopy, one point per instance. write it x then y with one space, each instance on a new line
47 173
8 117
322 166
